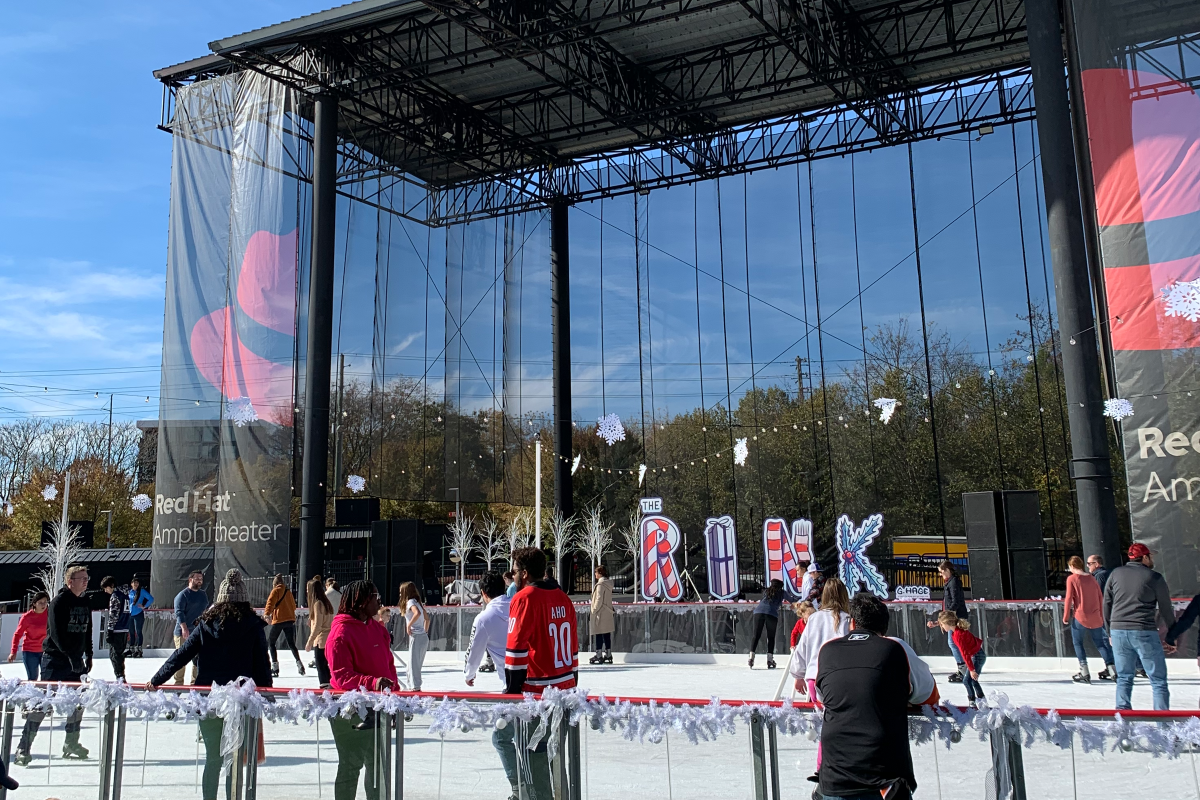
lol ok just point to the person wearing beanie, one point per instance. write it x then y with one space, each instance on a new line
228 642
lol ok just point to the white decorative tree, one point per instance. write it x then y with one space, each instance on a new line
563 530
597 538
631 543
462 542
520 534
490 542
63 550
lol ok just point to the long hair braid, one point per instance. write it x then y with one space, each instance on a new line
355 597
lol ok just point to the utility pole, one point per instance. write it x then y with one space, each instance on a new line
108 535
110 406
799 378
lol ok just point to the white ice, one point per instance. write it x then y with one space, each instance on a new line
162 759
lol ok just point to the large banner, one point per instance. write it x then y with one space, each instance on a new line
1143 125
223 484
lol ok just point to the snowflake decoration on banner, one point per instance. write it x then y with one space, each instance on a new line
854 567
886 406
1118 408
356 483
740 451
241 411
141 502
610 429
49 493
1183 300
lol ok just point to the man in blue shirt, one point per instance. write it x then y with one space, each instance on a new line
189 605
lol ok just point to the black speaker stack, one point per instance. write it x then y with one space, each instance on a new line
405 550
1005 547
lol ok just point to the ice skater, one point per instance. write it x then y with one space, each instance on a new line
603 620
29 635
1084 598
831 621
804 609
954 600
766 617
281 613
416 624
139 601
971 648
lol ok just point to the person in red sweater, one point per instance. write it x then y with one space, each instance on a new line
30 633
1083 610
971 648
359 651
542 650
804 609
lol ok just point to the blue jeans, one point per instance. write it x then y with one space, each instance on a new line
32 662
974 690
1098 638
136 622
1130 646
958 659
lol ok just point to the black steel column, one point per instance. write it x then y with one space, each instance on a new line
320 341
560 334
1090 464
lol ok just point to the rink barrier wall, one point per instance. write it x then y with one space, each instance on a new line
1010 629
557 718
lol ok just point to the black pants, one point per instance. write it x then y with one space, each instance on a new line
322 666
116 652
33 719
768 622
603 642
288 629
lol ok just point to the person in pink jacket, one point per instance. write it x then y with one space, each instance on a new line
359 650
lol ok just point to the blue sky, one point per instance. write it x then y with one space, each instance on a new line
83 227
84 183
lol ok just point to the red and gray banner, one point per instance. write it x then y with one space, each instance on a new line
1143 128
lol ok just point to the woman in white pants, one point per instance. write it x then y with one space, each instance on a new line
416 622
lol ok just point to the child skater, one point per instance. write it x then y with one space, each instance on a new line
971 648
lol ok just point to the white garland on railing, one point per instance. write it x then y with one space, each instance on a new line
640 722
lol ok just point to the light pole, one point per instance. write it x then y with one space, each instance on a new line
537 493
108 535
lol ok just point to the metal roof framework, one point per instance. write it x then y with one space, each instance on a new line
477 108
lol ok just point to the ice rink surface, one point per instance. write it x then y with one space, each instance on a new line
162 759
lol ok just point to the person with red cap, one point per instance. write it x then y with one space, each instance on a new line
1136 599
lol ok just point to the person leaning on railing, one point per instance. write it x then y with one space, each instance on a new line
359 650
227 642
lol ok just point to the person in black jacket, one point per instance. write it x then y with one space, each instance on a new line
954 600
116 632
66 657
228 642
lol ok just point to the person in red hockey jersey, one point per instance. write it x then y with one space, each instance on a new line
542 650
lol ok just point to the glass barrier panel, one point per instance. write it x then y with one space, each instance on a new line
1104 774
163 758
455 764
65 753
301 760
960 771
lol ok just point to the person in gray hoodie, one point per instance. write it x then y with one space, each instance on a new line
1136 599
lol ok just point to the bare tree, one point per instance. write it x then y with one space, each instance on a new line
462 543
564 533
596 539
520 534
63 549
631 544
490 542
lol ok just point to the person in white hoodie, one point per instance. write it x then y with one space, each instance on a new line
489 635
831 622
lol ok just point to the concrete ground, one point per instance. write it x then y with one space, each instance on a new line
163 758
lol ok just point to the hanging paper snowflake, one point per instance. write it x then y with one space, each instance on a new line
1183 300
1118 408
241 411
641 473
740 451
575 464
854 567
141 502
610 429
886 406
356 483
49 493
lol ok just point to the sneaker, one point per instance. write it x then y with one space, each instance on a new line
74 750
22 758
954 677
1140 673
1081 677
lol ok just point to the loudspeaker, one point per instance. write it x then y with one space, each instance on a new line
356 511
85 531
1004 544
397 553
1026 547
983 518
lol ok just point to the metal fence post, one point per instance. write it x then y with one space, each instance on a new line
106 752
574 777
384 772
758 756
119 755
1008 766
525 790
398 765
6 742
773 762
250 746
560 767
